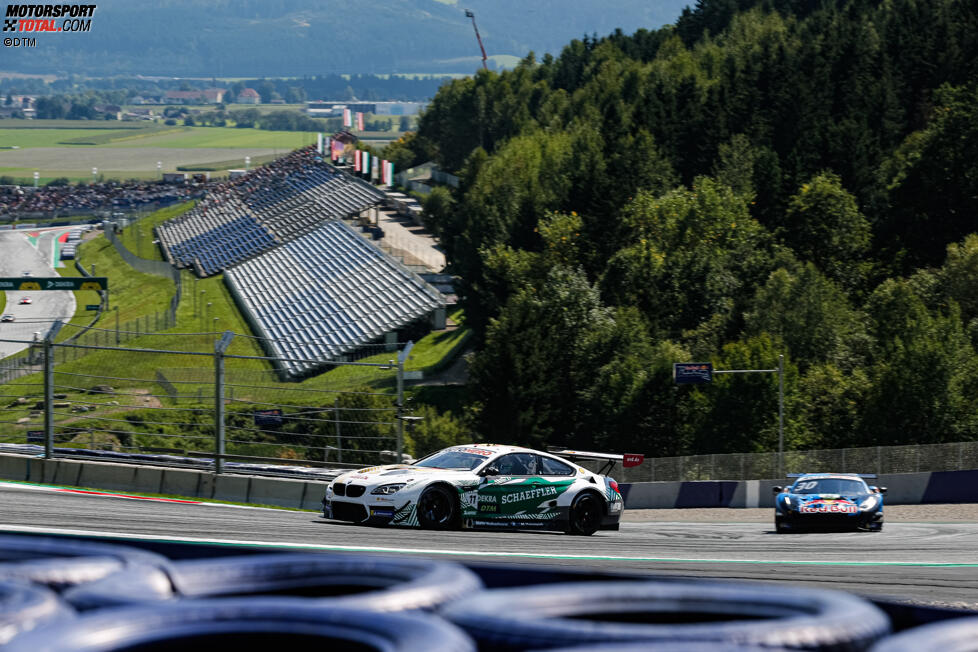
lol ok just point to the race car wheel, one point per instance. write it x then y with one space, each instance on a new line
438 509
779 526
63 563
591 613
377 583
585 514
249 624
24 607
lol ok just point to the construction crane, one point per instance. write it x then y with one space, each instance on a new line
469 14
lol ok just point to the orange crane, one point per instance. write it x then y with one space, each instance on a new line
469 14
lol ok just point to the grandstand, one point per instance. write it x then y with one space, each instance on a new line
311 285
326 293
253 213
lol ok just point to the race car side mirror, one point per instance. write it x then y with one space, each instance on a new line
490 470
882 490
776 489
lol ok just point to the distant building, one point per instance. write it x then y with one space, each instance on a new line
206 96
248 96
329 108
214 95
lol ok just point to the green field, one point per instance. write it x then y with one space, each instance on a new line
124 153
155 136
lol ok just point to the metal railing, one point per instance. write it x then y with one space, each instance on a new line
222 405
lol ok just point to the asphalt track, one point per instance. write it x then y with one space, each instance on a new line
18 255
923 563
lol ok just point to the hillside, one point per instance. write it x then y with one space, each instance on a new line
796 179
306 37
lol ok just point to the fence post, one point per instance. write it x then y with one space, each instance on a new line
220 346
401 358
48 348
336 417
48 400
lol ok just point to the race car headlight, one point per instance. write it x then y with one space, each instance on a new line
387 489
787 501
870 502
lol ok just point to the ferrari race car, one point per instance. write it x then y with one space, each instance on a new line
485 486
828 500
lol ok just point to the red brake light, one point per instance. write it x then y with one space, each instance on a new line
614 485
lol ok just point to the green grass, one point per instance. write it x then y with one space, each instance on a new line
138 236
3 301
198 327
230 137
25 138
119 135
82 317
230 164
69 124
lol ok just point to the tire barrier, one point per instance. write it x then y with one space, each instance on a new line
267 598
565 615
954 635
247 623
63 563
669 646
375 583
24 606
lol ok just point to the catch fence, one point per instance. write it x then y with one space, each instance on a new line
222 405
914 458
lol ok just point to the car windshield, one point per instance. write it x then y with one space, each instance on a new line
830 486
453 459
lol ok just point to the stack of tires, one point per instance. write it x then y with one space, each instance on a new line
62 594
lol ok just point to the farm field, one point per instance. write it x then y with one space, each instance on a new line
133 153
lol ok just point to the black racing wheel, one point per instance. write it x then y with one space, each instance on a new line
585 514
438 509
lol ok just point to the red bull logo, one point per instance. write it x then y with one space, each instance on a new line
829 507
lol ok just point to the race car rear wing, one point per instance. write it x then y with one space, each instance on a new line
627 459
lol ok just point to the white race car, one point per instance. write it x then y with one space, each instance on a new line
483 486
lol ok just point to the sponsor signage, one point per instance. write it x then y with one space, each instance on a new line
35 284
35 436
268 418
91 306
692 373
632 459
829 507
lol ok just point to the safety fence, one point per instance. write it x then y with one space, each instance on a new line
915 458
213 399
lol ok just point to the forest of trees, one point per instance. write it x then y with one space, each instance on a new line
764 177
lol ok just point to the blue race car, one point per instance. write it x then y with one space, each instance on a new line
828 500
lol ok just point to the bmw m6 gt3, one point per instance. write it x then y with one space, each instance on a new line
485 486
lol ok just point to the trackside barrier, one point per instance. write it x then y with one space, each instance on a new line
903 488
204 485
264 597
